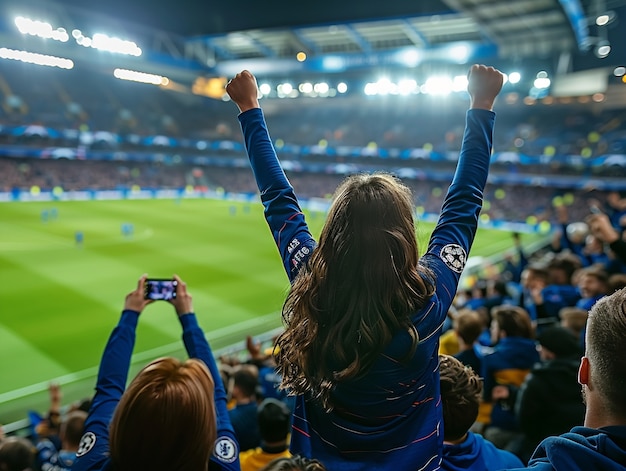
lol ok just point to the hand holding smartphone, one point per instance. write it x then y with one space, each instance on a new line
160 289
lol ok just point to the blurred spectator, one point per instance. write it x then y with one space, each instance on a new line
16 454
505 369
49 457
574 319
461 389
593 284
243 416
549 400
274 419
468 326
600 226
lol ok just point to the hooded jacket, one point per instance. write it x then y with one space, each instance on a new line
476 454
584 449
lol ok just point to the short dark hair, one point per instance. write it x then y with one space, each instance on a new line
461 389
73 426
513 320
274 420
246 381
468 325
16 454
606 337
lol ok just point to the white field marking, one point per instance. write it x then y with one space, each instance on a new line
136 358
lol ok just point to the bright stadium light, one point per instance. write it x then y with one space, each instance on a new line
38 59
438 86
306 87
103 42
515 77
265 88
370 89
342 87
407 86
384 86
142 77
542 81
41 29
459 83
321 88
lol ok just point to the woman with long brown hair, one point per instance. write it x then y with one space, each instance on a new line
173 414
364 312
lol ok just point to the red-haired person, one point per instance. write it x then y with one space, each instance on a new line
173 414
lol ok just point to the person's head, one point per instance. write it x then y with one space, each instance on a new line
72 428
295 463
468 326
244 384
165 419
593 282
558 342
535 277
574 319
461 389
16 454
510 321
603 368
561 269
274 421
360 286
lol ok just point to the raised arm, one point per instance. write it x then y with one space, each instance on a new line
453 236
93 451
282 211
226 452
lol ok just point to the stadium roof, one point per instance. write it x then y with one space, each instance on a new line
337 37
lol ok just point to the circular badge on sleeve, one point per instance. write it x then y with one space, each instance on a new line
454 256
87 442
225 450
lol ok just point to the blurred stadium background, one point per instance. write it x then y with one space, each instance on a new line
114 124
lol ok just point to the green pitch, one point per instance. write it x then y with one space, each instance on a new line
60 299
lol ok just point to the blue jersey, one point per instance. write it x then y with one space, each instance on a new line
391 417
93 452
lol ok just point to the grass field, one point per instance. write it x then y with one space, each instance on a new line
59 300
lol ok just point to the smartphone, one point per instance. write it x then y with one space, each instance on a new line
160 289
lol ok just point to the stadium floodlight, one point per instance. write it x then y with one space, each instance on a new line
265 88
284 89
602 49
342 87
142 77
41 29
370 89
107 43
619 71
459 83
437 86
306 87
38 59
384 86
321 88
407 86
459 53
542 81
515 77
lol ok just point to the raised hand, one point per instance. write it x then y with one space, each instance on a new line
183 301
484 84
135 300
243 90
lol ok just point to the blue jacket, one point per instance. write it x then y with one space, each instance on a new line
582 449
477 454
93 453
391 416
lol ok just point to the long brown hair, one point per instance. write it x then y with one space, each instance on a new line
361 285
166 418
